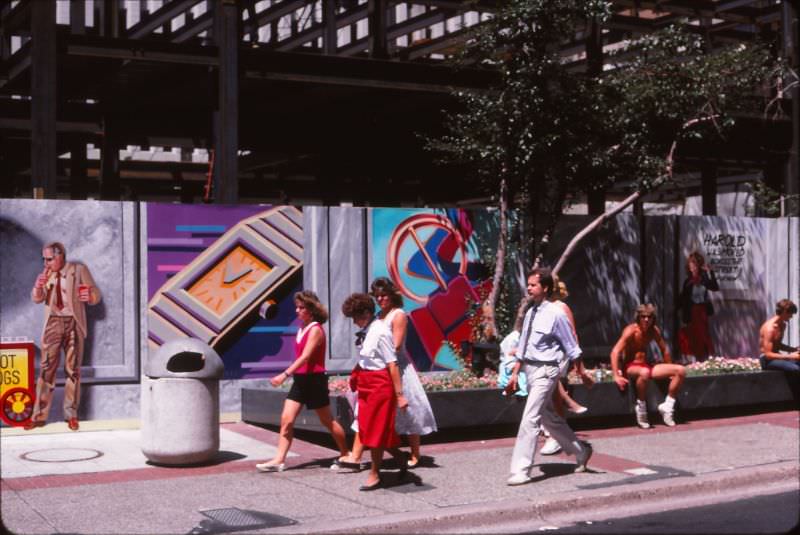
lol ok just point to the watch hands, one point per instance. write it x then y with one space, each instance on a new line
231 277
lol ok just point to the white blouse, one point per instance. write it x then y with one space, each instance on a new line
377 349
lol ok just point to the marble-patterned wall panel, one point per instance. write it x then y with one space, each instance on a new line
101 402
662 276
102 236
335 258
793 259
347 272
603 277
230 393
784 260
315 257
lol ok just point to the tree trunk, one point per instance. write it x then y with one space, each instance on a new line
500 261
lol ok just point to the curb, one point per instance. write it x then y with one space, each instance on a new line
718 483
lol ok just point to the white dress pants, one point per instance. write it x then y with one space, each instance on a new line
542 381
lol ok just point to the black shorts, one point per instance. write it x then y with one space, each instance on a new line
310 389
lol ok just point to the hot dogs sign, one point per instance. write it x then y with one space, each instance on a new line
17 374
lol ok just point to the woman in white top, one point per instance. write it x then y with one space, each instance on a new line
376 378
418 419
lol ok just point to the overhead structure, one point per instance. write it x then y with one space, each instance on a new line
296 101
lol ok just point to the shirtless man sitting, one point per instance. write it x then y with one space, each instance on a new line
771 341
630 348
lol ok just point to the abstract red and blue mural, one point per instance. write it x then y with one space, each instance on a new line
433 258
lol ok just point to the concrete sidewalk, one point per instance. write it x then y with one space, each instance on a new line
97 480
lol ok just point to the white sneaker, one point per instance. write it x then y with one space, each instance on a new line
641 418
583 456
667 414
551 447
518 479
267 467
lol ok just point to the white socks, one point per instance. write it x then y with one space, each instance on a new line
669 402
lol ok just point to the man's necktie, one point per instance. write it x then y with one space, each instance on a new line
59 300
528 332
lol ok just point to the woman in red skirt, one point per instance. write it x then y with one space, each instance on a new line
376 378
696 306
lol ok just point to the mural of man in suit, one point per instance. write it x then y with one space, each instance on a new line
65 288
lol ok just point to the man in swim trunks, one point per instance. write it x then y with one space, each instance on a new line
771 341
630 348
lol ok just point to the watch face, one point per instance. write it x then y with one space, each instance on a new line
229 281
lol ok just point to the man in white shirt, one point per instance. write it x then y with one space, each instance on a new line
546 350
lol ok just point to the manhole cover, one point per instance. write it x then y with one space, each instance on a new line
235 519
61 455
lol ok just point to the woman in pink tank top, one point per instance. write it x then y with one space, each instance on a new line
310 385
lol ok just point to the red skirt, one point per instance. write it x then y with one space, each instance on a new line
377 406
699 338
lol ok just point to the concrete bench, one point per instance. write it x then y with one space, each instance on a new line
486 406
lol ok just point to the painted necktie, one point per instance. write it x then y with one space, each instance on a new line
59 300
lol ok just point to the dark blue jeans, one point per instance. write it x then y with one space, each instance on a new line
791 366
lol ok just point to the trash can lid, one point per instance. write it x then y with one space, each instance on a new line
187 358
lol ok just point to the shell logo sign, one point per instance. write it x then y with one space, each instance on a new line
17 390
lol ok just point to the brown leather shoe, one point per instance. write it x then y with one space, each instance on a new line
73 424
33 424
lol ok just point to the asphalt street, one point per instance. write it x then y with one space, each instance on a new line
769 513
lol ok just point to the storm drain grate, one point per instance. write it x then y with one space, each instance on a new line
235 519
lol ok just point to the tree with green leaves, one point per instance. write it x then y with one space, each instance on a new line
546 133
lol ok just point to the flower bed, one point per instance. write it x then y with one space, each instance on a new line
721 365
466 380
431 381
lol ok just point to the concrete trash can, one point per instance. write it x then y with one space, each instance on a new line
180 403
